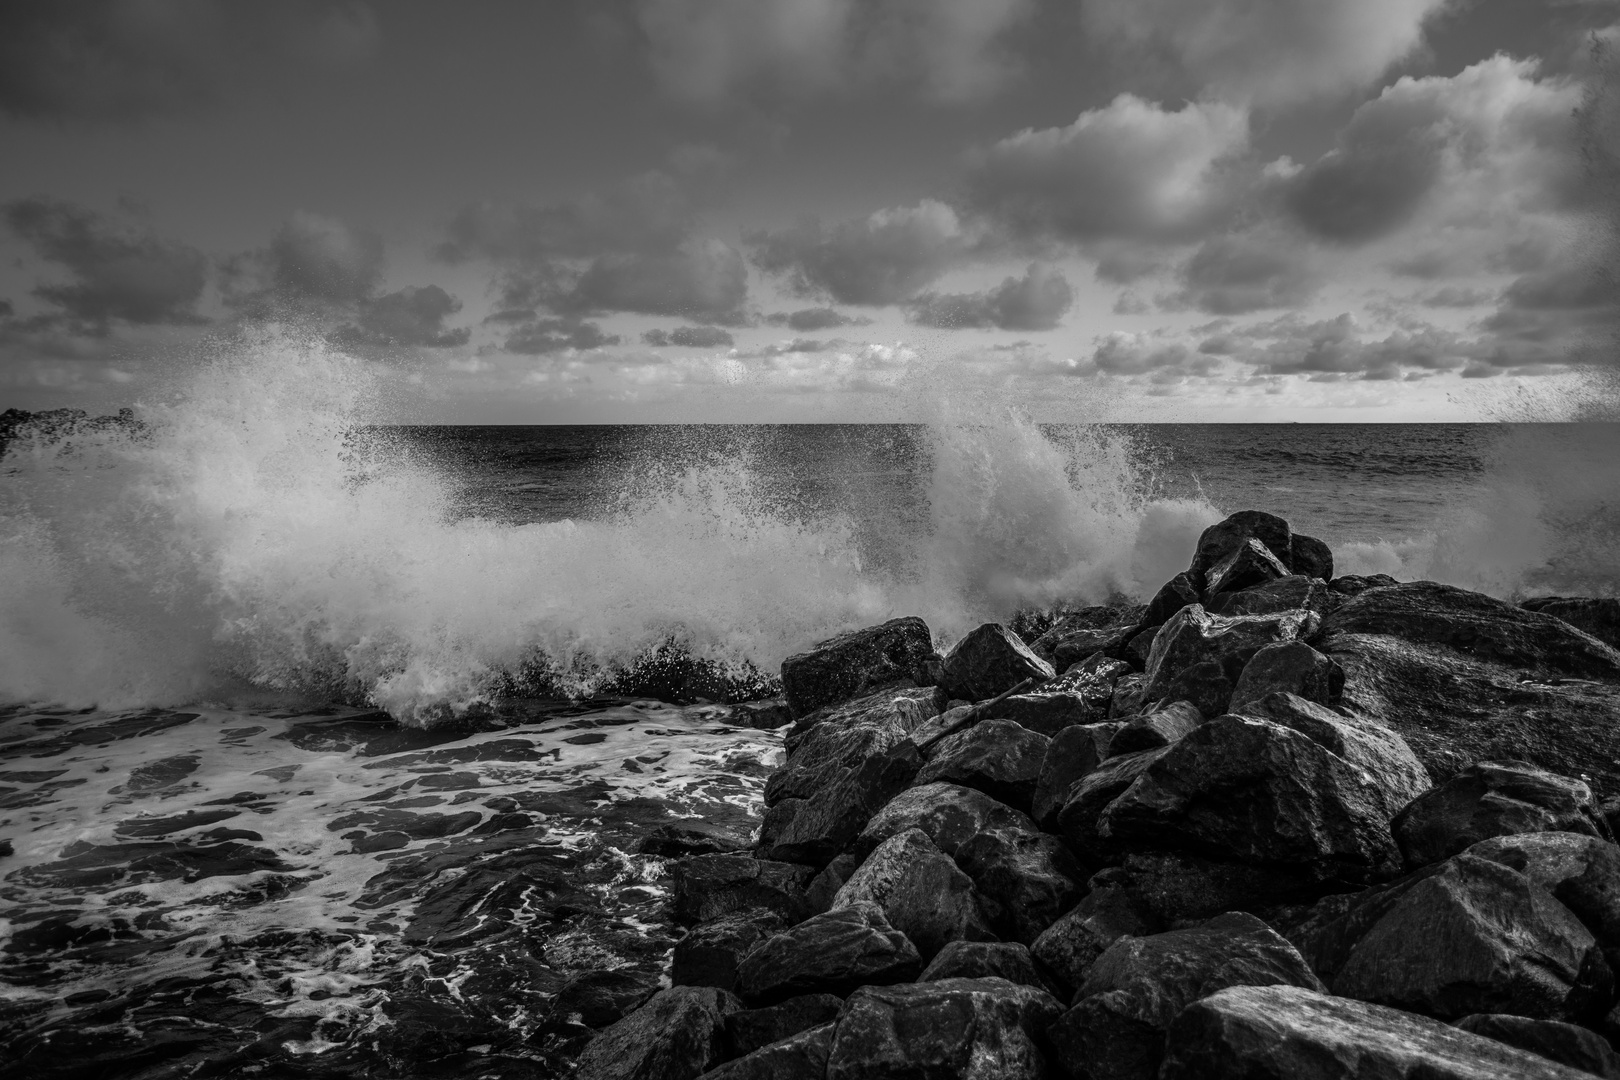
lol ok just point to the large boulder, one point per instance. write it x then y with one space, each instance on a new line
1177 886
990 660
1581 871
921 893
1567 1044
1292 1033
1310 557
707 887
1288 667
982 960
802 1056
1073 754
1291 593
1071 945
1205 686
750 1029
1139 985
816 828
998 757
1599 617
1194 636
1222 539
950 814
1159 727
964 1029
832 743
1079 819
1026 878
1494 798
1172 596
832 953
1370 747
1081 695
676 1035
1249 564
856 663
709 954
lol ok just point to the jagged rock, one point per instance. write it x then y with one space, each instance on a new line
601 998
1582 872
984 959
989 661
1290 667
1356 584
766 715
1368 746
710 953
920 891
1598 617
1493 798
710 886
840 742
1290 1033
1139 985
1249 564
1224 537
834 953
1071 945
1103 620
1251 791
1309 557
1091 795
1193 636
751 1029
1074 753
853 664
1566 1044
1080 644
1140 647
998 757
1291 593
676 1035
1026 879
1081 695
1172 596
1205 686
951 815
1129 693
1161 727
802 1056
1464 937
971 1029
816 829
683 838
818 896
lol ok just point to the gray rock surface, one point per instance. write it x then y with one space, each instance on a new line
920 891
834 953
990 660
853 664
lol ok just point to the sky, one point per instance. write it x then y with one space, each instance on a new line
821 210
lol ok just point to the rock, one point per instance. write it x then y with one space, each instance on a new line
601 998
1177 887
1071 945
816 829
1598 617
989 661
766 715
1081 695
1564 1043
853 664
1091 795
676 1035
839 741
1140 647
750 1029
1076 646
1310 557
802 1056
1205 686
1073 754
1291 593
1161 727
920 891
1104 621
1493 798
1355 584
1129 694
1026 879
951 815
1249 564
1290 1033
1468 936
680 839
1172 596
984 959
1290 667
1581 871
834 953
1139 985
998 757
709 886
972 1029
1224 537
1368 746
709 954
1193 636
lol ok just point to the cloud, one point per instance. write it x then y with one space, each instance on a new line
1036 301
1333 348
811 319
884 258
1230 275
115 272
703 279
411 317
323 258
115 60
1130 169
691 337
1456 296
1269 52
1124 353
544 336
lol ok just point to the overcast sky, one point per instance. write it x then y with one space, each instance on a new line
636 210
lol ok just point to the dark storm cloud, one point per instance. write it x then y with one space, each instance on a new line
411 317
1230 275
810 319
885 258
691 337
125 59
115 272
701 280
1333 348
544 336
1566 313
6 309
1036 301
1387 161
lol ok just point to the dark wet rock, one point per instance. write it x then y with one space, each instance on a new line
1073 754
676 1035
1105 621
601 998
1078 819
709 954
1177 886
819 896
1026 878
834 953
1173 595
1205 686
1493 798
1140 647
1581 871
830 745
1225 537
921 892
856 663
1193 636
972 1029
750 1029
1309 557
950 814
998 757
1081 695
1467 936
1161 727
1598 617
1249 564
709 886
1071 945
1080 644
802 1056
990 660
766 715
1291 593
816 829
1129 694
1566 1044
1290 1033
1290 667
1139 985
1366 745
982 960
1356 584
680 839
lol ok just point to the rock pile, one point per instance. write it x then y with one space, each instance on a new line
1271 824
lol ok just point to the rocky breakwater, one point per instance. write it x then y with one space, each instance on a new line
1273 823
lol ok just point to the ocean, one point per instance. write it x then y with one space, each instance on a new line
318 752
